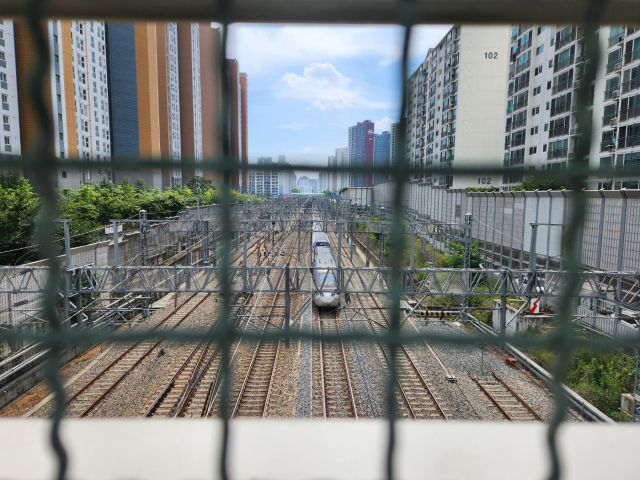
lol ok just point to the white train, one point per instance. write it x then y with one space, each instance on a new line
324 269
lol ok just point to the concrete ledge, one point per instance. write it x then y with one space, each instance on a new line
307 449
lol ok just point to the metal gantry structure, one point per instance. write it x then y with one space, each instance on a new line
180 256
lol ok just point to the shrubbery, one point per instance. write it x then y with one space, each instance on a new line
90 208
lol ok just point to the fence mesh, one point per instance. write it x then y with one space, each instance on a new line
563 340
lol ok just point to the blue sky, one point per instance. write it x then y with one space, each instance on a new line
308 84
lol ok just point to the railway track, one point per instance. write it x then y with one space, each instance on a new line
510 405
416 399
252 396
89 398
193 389
330 361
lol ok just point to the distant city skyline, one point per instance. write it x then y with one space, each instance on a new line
310 83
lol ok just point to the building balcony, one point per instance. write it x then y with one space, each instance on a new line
517 141
629 113
608 146
615 39
612 93
562 108
559 131
521 85
520 104
628 142
519 123
632 56
566 39
629 85
559 153
523 66
567 62
615 66
562 86
610 120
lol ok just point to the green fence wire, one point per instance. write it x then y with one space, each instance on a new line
43 165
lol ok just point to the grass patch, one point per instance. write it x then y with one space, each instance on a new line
600 377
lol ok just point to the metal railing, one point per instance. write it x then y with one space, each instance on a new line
558 131
558 109
629 141
558 153
562 86
632 56
629 113
564 63
405 12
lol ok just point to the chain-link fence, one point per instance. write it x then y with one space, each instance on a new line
43 166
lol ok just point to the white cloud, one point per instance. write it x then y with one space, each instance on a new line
383 125
325 88
294 126
260 49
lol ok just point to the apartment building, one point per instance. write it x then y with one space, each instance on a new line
323 182
286 179
169 102
361 153
546 67
9 91
80 98
381 155
393 143
332 177
455 110
342 160
264 181
616 107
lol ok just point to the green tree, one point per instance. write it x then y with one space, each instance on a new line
531 184
295 190
18 210
454 255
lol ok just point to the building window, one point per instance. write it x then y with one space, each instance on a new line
540 49
549 85
550 63
533 150
546 127
544 147
548 105
540 29
64 174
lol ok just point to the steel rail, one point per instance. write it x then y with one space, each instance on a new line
489 396
260 344
95 404
526 407
407 356
191 386
517 397
343 358
105 369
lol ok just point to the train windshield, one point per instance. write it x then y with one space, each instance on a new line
326 278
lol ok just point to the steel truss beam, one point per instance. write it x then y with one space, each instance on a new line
433 281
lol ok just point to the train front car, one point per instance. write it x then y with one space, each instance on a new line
324 272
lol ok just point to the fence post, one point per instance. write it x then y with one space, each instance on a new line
287 305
